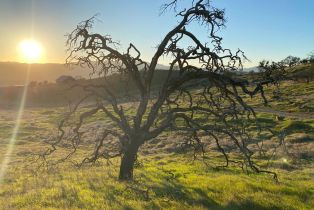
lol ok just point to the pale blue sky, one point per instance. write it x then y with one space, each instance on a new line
268 29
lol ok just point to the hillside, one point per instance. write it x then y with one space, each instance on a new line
13 73
59 94
53 94
166 174
302 72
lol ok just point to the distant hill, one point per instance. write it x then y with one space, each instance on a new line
14 73
56 94
59 94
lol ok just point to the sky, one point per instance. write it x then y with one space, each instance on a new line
268 29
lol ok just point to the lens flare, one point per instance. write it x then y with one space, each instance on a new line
10 147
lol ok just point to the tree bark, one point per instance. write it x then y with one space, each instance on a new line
127 162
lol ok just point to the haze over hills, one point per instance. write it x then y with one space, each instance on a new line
13 73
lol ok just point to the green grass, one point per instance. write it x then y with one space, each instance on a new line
173 181
292 126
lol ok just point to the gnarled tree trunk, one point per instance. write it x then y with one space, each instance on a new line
127 161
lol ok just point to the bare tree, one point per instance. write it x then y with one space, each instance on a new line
272 71
194 97
291 61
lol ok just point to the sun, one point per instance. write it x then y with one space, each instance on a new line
30 50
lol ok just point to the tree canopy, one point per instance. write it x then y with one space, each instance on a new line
197 96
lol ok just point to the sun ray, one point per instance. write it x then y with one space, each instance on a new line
10 147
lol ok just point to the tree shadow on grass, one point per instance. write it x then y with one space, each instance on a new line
248 205
177 192
196 197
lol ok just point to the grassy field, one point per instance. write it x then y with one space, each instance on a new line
165 177
162 181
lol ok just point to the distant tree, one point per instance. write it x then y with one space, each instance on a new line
272 71
64 79
311 57
33 84
305 61
291 61
217 102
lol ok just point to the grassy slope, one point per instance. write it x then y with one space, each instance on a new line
173 180
294 97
